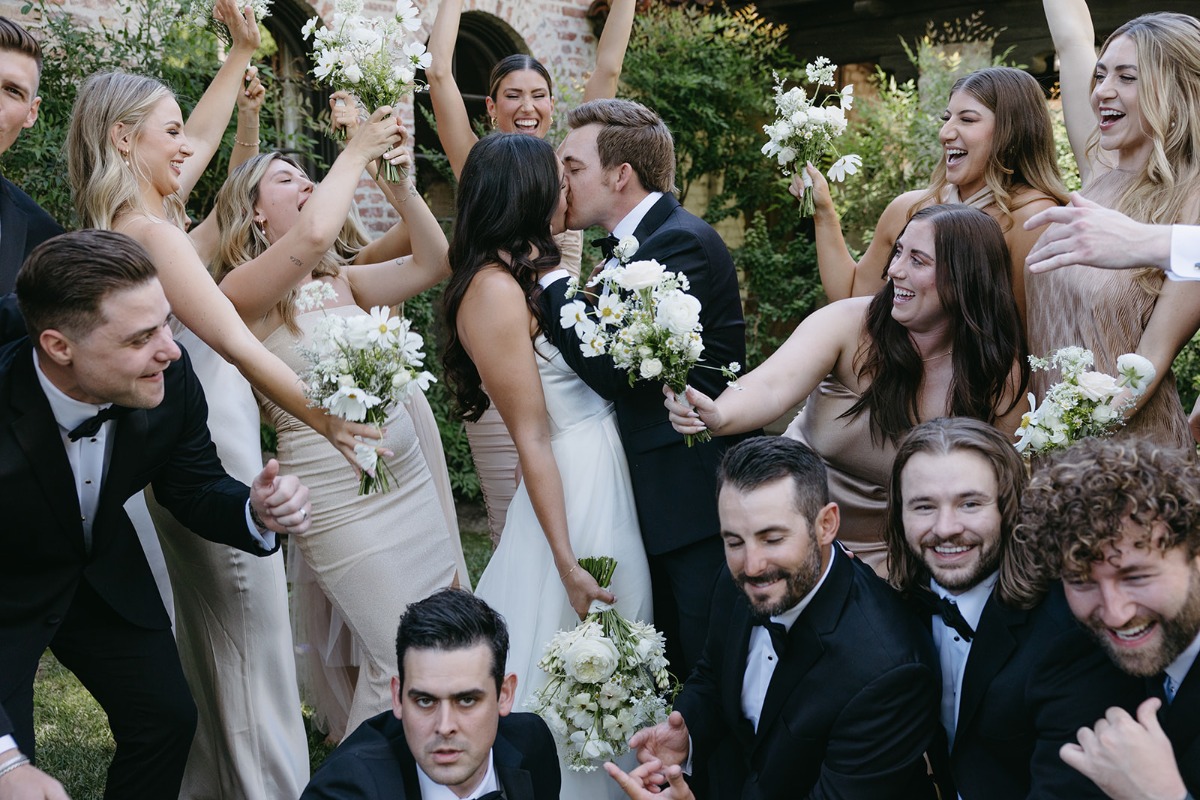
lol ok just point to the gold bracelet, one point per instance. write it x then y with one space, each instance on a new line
567 574
255 143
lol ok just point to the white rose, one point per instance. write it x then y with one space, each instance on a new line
678 312
1104 414
353 73
626 248
1136 372
1097 386
639 275
591 660
651 368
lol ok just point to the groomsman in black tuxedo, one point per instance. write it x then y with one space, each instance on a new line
1119 521
1019 675
23 223
619 162
451 733
815 680
97 403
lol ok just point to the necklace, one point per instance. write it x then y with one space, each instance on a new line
940 355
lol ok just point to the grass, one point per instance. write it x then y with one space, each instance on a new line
73 738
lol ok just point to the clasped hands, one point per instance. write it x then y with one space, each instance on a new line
662 750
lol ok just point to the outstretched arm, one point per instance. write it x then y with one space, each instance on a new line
453 124
610 51
1074 37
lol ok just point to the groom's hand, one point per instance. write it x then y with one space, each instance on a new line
667 742
30 783
281 501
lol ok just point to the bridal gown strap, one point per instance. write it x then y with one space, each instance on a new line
521 580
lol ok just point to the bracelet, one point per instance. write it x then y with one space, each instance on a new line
567 574
9 766
256 519
255 143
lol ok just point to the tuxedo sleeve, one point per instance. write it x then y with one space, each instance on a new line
598 372
700 700
12 324
343 778
192 484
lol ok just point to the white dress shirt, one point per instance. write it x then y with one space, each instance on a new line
1185 253
630 221
953 649
431 790
761 657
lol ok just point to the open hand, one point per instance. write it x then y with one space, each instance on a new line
667 742
281 501
1089 234
1129 759
243 28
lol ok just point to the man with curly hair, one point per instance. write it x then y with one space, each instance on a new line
1118 520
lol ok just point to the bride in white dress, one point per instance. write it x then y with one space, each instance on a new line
575 497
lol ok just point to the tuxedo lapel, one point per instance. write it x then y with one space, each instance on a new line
993 645
13 228
515 781
655 217
735 665
128 454
1181 718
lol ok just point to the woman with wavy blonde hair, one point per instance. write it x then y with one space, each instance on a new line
1133 118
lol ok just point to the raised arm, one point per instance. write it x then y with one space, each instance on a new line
453 124
208 120
610 51
255 287
494 325
1074 37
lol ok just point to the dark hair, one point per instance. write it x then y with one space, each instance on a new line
1077 504
452 619
1016 586
630 133
64 281
761 460
508 193
516 63
974 286
15 39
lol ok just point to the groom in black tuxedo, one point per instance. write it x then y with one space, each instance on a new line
97 403
619 161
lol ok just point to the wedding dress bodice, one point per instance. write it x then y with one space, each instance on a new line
569 401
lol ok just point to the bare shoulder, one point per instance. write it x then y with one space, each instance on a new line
150 232
495 302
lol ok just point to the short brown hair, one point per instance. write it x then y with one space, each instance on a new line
15 39
1077 506
65 279
631 133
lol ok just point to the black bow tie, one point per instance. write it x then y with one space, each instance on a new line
91 426
606 244
947 610
778 633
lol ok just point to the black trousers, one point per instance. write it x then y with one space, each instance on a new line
682 583
135 675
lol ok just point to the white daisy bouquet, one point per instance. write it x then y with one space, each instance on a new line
359 368
804 129
1084 403
199 14
374 58
607 679
645 320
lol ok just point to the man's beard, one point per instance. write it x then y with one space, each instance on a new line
1175 634
797 584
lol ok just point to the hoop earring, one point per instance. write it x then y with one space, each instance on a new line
493 123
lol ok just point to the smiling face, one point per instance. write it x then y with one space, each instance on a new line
18 96
1115 103
282 193
522 104
951 516
1141 603
775 556
159 148
450 711
966 136
915 301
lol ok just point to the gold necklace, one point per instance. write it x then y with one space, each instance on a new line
942 355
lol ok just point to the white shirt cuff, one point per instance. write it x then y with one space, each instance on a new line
1185 253
687 762
7 743
265 538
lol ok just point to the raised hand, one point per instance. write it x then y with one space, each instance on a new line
644 782
667 742
243 28
1129 759
346 113
280 501
701 414
250 99
381 134
822 199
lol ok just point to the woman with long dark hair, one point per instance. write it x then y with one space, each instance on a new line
941 338
575 497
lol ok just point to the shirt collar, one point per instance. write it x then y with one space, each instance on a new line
789 617
431 790
971 602
68 412
1179 668
629 224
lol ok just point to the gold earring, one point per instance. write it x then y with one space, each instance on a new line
493 123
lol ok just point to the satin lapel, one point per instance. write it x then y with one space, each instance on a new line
516 782
993 645
37 434
735 669
655 217
127 457
1181 719
13 228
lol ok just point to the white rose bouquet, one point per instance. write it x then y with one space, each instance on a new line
359 368
607 679
374 58
1084 403
804 129
199 14
645 320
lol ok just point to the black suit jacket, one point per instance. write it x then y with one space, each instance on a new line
23 226
374 762
1032 679
1181 722
674 486
851 707
44 556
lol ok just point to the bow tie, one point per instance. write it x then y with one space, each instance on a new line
777 631
91 426
947 610
606 244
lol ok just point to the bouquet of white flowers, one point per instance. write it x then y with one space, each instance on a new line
199 14
804 130
607 679
1084 403
373 58
359 367
645 320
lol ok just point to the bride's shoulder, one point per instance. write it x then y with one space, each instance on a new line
494 279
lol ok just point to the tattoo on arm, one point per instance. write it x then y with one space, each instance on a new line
296 261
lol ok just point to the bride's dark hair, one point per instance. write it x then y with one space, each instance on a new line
507 195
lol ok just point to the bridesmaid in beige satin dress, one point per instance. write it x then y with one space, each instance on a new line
942 338
1134 124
